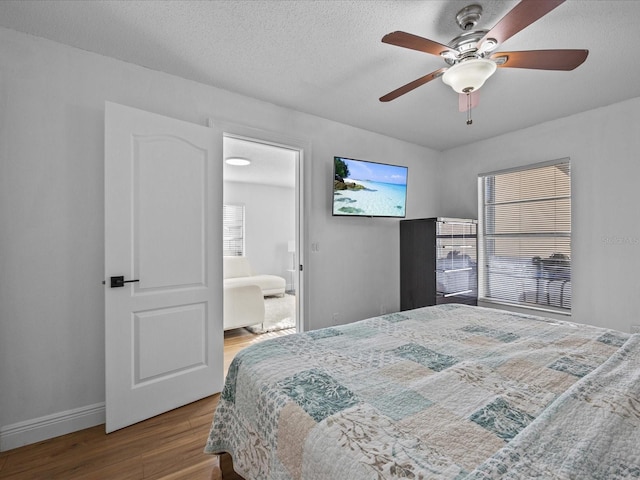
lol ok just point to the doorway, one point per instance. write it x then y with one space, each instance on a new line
261 180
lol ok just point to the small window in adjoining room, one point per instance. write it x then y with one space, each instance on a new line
233 230
524 236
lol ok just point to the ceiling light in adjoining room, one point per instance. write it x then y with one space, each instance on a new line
238 161
469 75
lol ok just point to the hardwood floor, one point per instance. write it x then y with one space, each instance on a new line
167 447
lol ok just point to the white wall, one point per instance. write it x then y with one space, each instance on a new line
270 222
51 216
603 145
357 266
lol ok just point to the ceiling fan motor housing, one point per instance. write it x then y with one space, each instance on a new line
466 46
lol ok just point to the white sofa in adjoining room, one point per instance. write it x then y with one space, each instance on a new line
244 293
237 271
243 306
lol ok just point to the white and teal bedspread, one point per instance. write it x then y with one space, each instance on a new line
445 392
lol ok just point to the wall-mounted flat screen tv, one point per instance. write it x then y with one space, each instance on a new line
368 189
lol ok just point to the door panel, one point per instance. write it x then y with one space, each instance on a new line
163 217
157 355
170 203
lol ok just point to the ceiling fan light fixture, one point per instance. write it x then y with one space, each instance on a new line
470 75
238 161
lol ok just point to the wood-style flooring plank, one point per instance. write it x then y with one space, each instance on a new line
167 447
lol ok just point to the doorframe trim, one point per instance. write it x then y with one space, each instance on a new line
303 147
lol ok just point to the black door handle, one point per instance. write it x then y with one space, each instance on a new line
120 281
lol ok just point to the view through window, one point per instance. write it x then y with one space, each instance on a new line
525 236
233 230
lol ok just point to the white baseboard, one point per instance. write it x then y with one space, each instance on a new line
43 428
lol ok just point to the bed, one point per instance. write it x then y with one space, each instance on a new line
444 392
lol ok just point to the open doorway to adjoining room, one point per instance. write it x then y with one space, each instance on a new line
261 223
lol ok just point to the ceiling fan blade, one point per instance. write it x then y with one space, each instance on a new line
542 59
520 17
412 85
408 40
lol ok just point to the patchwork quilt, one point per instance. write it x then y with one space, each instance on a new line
443 392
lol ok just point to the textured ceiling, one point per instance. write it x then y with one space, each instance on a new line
326 57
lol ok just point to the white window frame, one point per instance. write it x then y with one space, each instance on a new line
233 230
484 281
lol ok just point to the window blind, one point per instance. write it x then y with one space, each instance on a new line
525 236
233 230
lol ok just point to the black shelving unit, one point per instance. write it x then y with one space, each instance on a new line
438 262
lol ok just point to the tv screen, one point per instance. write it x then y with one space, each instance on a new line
368 189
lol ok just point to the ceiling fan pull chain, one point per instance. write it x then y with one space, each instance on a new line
469 121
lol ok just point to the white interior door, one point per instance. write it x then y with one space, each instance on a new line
163 235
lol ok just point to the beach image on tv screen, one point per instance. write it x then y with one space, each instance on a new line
369 189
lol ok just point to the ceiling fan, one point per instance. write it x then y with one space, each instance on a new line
471 58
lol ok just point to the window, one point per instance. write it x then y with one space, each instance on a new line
525 236
233 230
